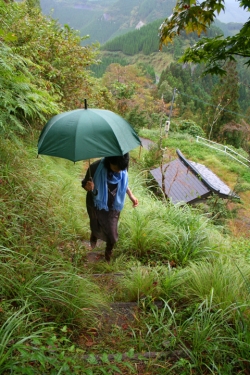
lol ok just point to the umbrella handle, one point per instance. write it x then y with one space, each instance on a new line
90 171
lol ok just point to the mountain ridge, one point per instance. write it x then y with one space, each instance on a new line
103 20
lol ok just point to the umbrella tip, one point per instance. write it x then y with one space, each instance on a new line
85 104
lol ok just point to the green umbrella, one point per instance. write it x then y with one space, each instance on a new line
87 133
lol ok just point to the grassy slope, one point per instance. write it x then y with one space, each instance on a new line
44 215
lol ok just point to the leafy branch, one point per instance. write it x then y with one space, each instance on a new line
191 16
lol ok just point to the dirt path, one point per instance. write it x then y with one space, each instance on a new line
146 143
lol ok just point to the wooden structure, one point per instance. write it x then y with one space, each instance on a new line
188 182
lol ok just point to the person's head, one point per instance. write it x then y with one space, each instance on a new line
117 163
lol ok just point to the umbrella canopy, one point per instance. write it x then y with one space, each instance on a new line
87 133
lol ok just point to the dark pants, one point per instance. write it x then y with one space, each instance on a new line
109 246
103 225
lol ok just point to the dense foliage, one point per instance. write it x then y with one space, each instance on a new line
23 96
130 85
42 65
202 98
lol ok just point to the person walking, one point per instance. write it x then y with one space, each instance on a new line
106 183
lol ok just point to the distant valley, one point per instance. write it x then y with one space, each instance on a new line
103 20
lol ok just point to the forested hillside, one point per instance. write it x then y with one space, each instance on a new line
197 95
142 45
146 41
103 19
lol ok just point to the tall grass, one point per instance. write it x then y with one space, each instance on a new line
37 202
228 280
15 333
205 339
167 232
41 225
66 296
41 304
140 282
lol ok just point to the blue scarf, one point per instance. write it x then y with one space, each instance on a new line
101 181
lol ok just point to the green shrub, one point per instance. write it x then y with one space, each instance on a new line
191 128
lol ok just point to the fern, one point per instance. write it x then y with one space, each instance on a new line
20 97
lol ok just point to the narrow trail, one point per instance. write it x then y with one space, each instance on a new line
118 327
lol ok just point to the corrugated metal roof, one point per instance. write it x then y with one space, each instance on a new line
187 181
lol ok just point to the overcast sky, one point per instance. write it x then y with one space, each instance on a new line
233 13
